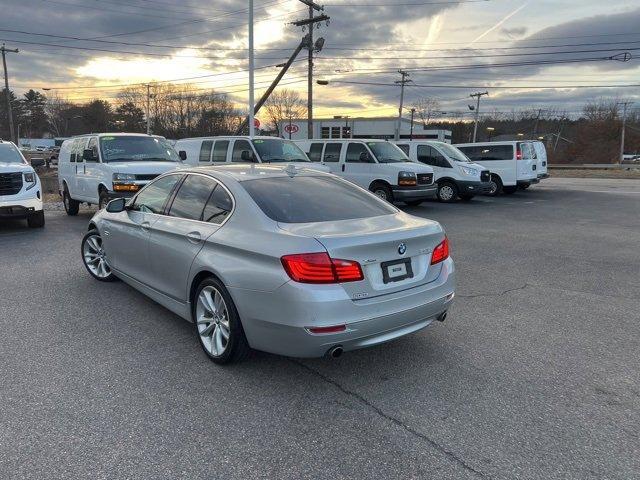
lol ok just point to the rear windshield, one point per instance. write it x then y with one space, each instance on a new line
304 199
279 151
486 153
10 154
122 148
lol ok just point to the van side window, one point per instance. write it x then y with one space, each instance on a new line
485 153
358 153
431 156
332 153
240 146
205 151
78 148
315 152
72 150
220 151
93 146
404 148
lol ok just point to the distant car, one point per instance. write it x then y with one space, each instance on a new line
286 260
242 149
96 168
20 190
376 165
455 175
512 164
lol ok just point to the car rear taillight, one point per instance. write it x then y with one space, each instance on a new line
441 252
327 330
321 268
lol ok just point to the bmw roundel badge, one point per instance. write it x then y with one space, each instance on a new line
402 249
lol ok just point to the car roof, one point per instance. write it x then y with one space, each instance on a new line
115 134
342 140
253 171
232 137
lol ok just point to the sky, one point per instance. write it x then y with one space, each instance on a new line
526 54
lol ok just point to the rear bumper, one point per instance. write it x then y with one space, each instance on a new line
19 208
528 182
277 322
414 193
472 187
543 176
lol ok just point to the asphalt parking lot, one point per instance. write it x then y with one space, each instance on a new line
534 375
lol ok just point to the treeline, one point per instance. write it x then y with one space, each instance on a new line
174 112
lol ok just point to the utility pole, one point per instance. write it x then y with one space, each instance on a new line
6 91
252 126
402 83
312 47
413 113
535 126
475 127
625 105
148 109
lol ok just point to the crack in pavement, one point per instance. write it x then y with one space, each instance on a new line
504 292
449 454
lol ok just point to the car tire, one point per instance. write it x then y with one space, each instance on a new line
94 259
382 191
36 219
447 192
414 203
71 206
510 190
466 198
215 317
103 199
495 186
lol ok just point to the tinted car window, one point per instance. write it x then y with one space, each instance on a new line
240 146
155 195
358 153
220 151
488 152
315 152
191 198
332 152
431 156
302 199
205 151
218 206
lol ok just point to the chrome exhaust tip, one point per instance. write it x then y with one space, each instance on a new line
335 352
442 317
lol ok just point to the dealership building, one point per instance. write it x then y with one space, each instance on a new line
347 127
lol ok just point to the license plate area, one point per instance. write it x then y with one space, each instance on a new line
396 270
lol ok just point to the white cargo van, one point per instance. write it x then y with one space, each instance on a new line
377 165
511 164
242 149
455 175
20 191
541 157
99 167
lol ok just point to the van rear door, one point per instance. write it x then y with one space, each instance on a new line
526 162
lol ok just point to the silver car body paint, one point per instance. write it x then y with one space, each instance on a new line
159 256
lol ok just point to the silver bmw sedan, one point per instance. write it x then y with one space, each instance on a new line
281 259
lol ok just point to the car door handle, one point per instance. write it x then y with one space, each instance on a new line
145 226
194 237
343 166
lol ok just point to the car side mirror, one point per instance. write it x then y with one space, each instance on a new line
88 155
247 156
183 155
117 205
364 157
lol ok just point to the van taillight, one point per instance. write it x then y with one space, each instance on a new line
441 252
518 153
321 268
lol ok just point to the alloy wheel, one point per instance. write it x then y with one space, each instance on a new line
94 257
446 193
381 194
212 318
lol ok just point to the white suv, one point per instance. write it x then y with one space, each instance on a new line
20 190
97 168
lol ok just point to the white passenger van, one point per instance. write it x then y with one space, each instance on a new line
242 149
511 164
20 190
99 167
455 175
541 157
377 165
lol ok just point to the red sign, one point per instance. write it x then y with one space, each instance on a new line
256 123
292 128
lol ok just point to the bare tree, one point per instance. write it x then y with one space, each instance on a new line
56 109
426 108
285 105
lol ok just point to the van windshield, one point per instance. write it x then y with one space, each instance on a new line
122 148
453 153
386 152
10 154
279 151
